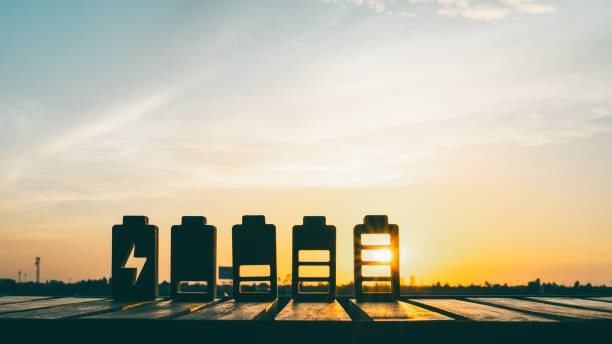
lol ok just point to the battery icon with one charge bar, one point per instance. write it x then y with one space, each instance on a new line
254 259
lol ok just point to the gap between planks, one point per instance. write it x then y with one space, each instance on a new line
479 312
543 309
590 305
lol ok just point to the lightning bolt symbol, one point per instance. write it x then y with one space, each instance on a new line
135 262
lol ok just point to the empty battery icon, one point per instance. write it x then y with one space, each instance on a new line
193 263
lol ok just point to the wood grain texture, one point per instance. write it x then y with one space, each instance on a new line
572 301
533 306
479 312
317 311
605 298
19 299
398 310
229 310
18 307
68 311
154 310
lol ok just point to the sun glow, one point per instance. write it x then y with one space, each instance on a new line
382 255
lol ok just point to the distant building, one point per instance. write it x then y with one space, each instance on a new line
412 280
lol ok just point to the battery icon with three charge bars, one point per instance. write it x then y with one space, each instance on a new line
193 260
376 258
254 259
135 240
314 253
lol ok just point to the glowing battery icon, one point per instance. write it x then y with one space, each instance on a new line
314 254
376 258
254 259
134 259
193 265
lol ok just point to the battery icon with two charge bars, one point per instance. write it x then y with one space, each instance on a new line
314 252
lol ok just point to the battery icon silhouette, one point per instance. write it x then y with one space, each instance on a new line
376 258
193 260
134 259
254 259
314 254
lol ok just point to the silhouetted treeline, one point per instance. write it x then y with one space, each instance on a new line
533 287
101 287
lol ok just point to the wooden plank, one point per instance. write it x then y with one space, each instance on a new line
398 310
69 310
154 310
479 312
230 310
599 305
317 311
543 308
605 298
19 299
18 307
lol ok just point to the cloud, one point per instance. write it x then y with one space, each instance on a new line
407 14
529 6
479 10
113 119
466 9
378 6
491 10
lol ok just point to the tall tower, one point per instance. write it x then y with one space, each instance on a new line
37 270
19 277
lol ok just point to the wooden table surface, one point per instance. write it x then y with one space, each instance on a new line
413 309
428 319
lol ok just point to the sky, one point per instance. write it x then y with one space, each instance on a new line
482 128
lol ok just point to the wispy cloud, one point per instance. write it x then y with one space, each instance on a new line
529 6
471 10
378 6
491 10
480 10
115 118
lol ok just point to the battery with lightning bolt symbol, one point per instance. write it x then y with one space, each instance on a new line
135 259
193 264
